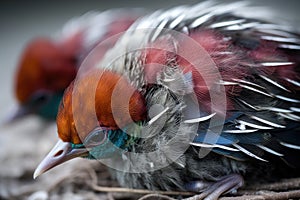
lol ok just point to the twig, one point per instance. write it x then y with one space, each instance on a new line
262 196
267 195
286 184
155 196
249 193
139 191
99 188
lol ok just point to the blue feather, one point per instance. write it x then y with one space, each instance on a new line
115 144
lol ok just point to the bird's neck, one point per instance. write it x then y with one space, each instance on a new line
50 108
119 141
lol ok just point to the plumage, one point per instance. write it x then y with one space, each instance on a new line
108 84
48 65
219 96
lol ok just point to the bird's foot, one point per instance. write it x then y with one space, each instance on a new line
212 190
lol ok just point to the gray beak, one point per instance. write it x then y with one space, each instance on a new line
60 153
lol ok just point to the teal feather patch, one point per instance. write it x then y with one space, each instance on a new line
49 109
117 142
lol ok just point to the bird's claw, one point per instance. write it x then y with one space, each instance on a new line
214 190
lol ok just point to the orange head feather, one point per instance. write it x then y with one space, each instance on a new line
43 66
101 95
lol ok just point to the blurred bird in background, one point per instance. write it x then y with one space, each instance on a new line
49 65
212 93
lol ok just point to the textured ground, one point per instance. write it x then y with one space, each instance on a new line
80 179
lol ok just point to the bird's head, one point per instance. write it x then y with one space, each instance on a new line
92 115
44 71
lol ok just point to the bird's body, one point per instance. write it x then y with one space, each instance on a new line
49 65
206 97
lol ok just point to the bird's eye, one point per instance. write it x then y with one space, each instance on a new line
40 98
95 138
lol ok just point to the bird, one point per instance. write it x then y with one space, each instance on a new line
48 65
198 98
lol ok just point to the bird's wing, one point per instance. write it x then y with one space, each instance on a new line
259 66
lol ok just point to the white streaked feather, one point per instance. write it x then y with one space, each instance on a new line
247 82
280 110
248 152
156 117
274 83
290 46
227 23
169 79
275 32
159 29
221 82
276 64
200 119
290 116
201 20
295 109
213 146
287 99
274 29
255 90
293 82
280 39
254 125
269 150
240 27
292 146
222 53
241 131
267 122
147 22
248 104
175 12
176 21
286 29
